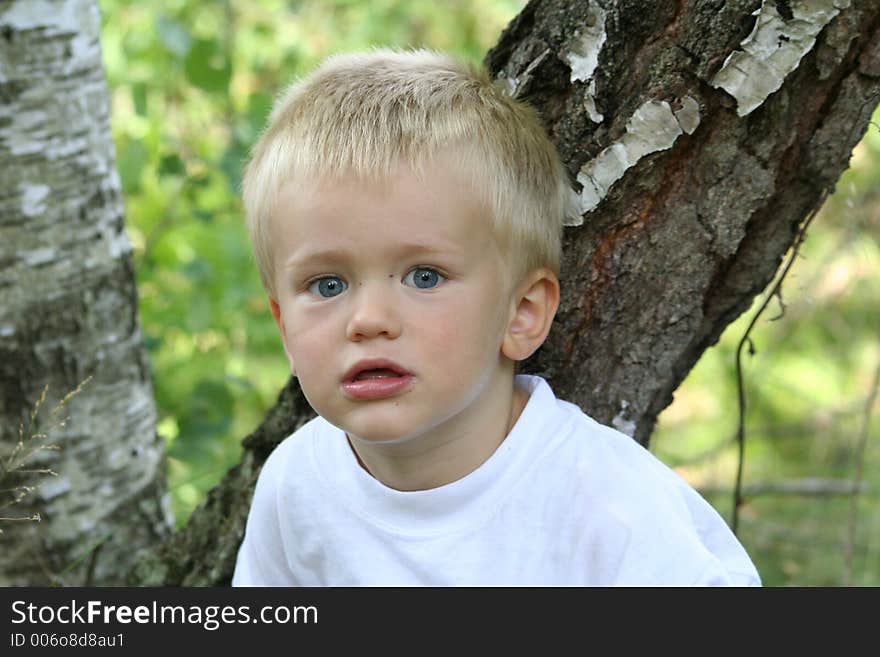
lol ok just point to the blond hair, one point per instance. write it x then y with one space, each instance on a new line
364 113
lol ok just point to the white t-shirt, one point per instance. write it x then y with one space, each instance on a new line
562 501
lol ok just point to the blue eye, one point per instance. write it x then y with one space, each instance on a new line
327 287
423 278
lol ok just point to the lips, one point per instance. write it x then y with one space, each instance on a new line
376 378
374 368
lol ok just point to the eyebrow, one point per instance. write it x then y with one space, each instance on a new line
336 254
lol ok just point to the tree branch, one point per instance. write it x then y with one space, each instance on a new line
808 487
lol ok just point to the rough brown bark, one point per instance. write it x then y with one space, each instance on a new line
678 245
68 311
684 241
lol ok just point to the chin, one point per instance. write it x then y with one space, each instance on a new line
385 422
383 434
387 428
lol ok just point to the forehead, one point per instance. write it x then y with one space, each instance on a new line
436 209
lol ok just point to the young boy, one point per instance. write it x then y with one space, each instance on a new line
406 217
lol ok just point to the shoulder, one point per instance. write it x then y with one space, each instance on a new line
597 457
292 449
263 555
671 534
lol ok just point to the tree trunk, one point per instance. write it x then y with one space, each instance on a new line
711 130
68 314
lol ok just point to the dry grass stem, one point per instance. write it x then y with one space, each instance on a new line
32 439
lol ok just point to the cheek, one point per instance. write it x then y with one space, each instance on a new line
307 338
449 338
464 337
437 330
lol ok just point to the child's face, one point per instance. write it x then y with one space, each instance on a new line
411 274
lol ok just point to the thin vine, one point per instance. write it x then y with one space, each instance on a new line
775 292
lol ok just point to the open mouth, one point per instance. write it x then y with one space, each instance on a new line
381 373
375 379
374 368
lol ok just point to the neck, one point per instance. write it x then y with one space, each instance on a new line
450 451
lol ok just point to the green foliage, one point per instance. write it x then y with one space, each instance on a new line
192 82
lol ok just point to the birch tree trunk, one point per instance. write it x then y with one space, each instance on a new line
699 135
68 312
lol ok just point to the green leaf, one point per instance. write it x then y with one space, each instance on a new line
173 36
139 98
197 271
207 67
205 216
206 416
171 165
199 313
231 164
151 341
132 158
258 108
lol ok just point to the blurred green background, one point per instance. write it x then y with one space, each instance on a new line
192 82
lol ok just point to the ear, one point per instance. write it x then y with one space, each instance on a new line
533 307
279 321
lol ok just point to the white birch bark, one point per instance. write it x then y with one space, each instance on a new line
68 309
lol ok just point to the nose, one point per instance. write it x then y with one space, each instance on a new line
373 313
